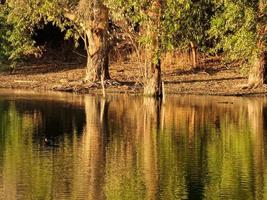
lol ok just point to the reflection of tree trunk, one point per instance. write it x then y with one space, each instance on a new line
9 180
93 151
152 110
191 124
255 115
98 49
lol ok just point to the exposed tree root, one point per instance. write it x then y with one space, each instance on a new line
77 86
153 88
250 86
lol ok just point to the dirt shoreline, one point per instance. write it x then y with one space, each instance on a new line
220 81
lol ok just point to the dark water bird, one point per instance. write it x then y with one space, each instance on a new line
50 143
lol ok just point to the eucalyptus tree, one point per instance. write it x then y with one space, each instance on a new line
87 19
194 24
91 18
159 24
240 29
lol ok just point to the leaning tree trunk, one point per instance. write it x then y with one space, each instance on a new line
98 48
153 82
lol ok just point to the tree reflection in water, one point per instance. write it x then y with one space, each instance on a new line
134 148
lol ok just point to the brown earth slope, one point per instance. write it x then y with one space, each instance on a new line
126 78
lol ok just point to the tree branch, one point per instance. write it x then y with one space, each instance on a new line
69 15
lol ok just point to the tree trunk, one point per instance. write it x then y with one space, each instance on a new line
153 82
98 48
257 76
194 55
257 73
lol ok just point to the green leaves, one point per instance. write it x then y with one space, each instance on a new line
215 25
20 18
181 21
234 29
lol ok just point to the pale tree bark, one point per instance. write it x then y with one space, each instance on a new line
92 149
153 82
256 121
98 48
194 55
152 118
257 74
93 21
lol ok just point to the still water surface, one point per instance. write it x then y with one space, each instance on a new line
128 147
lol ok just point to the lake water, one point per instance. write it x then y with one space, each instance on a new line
130 147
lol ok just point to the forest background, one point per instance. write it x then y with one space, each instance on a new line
151 42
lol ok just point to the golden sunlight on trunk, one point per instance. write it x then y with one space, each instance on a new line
98 48
153 82
257 76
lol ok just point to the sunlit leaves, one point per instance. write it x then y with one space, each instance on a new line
234 29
